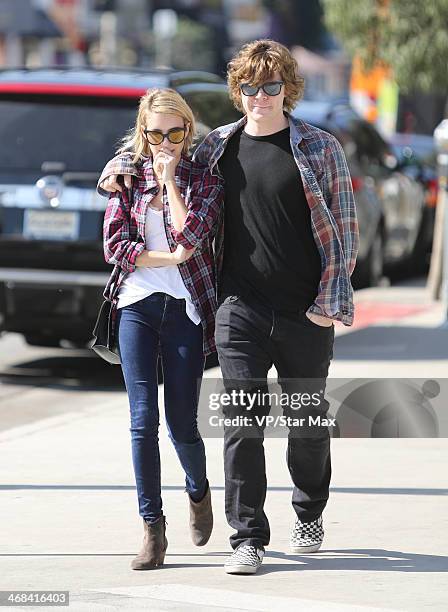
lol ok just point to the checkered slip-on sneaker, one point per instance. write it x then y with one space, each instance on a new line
245 559
307 537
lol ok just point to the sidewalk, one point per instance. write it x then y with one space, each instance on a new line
70 518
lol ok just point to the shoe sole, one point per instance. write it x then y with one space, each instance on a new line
298 550
240 569
149 566
160 561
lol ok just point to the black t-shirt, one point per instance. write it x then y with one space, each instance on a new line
269 249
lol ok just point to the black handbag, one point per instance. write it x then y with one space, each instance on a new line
104 343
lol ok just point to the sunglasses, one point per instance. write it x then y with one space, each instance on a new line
273 88
156 137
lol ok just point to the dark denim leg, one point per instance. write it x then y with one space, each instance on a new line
241 335
138 338
183 365
303 351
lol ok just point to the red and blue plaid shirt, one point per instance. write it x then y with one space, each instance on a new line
328 189
124 233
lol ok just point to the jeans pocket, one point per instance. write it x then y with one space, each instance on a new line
311 324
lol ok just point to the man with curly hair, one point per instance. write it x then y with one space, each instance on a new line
284 264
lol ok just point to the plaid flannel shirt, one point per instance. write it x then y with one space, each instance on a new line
328 189
124 233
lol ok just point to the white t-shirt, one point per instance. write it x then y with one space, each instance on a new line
144 281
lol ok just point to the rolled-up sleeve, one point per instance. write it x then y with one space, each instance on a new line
204 201
119 249
342 202
119 165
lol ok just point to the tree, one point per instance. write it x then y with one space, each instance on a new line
410 37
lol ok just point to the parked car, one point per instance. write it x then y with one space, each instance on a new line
58 127
390 203
417 156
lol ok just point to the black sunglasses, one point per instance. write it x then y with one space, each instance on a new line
273 88
175 135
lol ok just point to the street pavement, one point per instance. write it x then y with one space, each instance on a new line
69 511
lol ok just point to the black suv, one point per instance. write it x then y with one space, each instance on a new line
58 127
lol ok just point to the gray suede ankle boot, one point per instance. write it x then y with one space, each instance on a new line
154 546
201 519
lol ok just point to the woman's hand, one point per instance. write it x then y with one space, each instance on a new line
182 254
164 166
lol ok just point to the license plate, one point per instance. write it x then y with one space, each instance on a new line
51 225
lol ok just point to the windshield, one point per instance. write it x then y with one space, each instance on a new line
80 133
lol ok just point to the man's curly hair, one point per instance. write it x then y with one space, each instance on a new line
256 62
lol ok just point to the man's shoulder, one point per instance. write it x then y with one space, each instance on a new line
222 131
213 141
198 167
312 135
201 174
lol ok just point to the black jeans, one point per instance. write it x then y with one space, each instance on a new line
250 338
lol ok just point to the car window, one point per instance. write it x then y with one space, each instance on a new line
80 133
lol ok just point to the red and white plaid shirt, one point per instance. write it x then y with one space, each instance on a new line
124 233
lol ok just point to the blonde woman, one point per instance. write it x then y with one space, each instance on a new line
158 235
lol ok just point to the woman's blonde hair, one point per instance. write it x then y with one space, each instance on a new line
157 101
256 62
